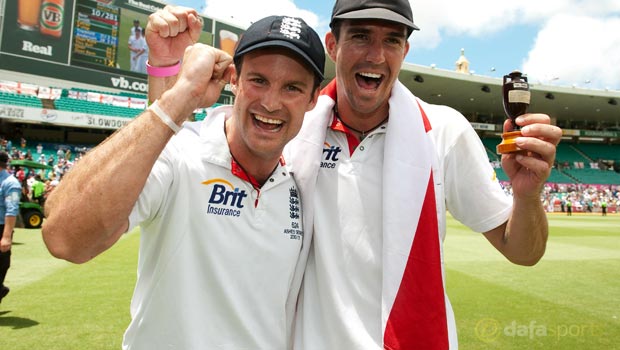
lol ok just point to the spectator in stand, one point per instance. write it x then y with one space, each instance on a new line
30 181
60 153
59 168
25 193
51 160
48 188
39 149
20 174
54 181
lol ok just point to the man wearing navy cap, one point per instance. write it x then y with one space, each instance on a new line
378 168
220 213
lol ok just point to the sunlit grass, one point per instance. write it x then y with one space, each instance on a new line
570 300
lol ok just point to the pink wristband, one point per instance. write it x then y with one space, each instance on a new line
162 72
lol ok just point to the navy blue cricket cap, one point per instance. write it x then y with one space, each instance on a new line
398 11
288 32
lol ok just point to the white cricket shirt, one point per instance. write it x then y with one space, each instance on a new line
216 256
340 302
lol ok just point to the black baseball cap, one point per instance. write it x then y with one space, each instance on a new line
398 11
288 32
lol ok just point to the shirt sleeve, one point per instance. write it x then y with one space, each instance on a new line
11 200
154 194
474 195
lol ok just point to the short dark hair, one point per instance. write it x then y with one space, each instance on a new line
335 27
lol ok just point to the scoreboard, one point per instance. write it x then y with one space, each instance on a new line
96 32
93 43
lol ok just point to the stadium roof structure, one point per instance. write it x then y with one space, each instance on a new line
481 95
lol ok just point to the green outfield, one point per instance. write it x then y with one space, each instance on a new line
570 300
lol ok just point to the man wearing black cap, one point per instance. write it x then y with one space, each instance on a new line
390 166
10 191
219 211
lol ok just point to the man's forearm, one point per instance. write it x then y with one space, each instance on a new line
89 209
6 240
9 225
529 220
523 239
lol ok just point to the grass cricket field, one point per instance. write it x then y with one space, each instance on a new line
570 300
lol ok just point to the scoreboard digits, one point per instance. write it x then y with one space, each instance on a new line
96 33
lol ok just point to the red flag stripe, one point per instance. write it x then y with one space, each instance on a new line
418 317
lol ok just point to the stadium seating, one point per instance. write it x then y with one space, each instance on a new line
598 151
83 106
122 93
594 176
490 144
568 153
557 176
501 175
10 98
201 113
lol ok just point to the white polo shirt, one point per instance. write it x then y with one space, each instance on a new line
340 302
217 256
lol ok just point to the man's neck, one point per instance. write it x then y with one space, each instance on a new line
362 122
258 168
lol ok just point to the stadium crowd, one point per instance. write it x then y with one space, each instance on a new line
585 198
59 162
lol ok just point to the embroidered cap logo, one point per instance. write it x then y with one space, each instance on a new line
287 32
290 28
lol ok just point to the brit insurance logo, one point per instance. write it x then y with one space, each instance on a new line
330 156
225 199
